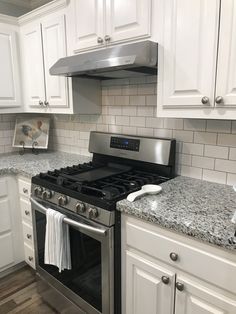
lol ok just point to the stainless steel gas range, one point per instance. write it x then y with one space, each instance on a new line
87 195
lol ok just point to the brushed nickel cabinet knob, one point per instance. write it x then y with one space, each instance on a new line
99 40
174 256
179 286
165 280
205 100
219 100
107 38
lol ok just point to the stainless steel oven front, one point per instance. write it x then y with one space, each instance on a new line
90 282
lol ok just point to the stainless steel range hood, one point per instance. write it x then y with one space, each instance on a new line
121 61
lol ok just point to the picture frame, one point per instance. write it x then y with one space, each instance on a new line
31 132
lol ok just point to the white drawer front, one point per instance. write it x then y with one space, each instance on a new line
190 259
29 255
26 211
24 187
28 233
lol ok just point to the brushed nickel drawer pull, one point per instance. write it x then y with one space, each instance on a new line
25 190
27 212
173 256
29 236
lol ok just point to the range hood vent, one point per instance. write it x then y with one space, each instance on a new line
123 61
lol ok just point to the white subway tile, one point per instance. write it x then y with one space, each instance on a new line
163 133
108 100
220 126
109 119
114 91
183 159
115 128
203 162
121 100
144 132
151 100
122 120
185 136
137 100
231 179
227 140
216 151
154 122
232 153
171 123
129 111
146 89
191 172
193 149
115 110
145 111
130 90
225 165
129 130
214 176
194 124
102 128
205 138
137 121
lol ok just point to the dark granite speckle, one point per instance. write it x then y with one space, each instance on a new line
193 207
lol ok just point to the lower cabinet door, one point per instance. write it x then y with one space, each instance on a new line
149 287
195 298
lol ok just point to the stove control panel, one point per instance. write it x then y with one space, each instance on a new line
125 143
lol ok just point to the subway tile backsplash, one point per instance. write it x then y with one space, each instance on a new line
206 149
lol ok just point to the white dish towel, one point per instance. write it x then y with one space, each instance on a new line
57 241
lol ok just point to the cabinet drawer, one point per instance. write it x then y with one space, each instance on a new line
193 260
24 187
29 255
26 211
28 233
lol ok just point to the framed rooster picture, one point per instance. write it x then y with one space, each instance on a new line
33 132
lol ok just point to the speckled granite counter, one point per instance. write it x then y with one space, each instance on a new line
196 208
29 165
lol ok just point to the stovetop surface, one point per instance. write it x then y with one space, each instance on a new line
100 184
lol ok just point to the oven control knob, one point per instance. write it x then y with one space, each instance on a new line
92 213
46 194
62 200
80 207
38 191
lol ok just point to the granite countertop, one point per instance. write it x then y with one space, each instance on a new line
29 165
193 207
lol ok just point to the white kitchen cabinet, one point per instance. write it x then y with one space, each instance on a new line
97 23
150 288
149 253
24 188
195 298
43 44
11 240
10 88
197 63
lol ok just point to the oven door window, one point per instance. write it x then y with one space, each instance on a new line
85 277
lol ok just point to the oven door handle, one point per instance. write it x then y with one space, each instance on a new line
79 225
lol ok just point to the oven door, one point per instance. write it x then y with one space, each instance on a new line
90 282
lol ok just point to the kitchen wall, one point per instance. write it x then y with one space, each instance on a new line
206 149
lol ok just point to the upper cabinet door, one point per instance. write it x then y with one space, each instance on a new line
33 65
10 95
187 54
54 48
127 19
87 23
226 71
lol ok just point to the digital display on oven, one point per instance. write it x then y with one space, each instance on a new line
125 143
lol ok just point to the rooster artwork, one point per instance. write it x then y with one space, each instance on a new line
32 131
